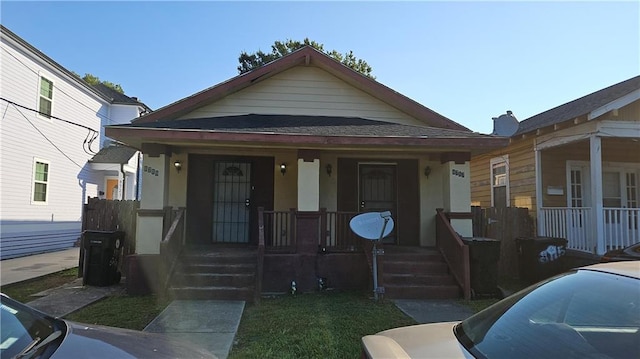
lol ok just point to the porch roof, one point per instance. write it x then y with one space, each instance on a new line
301 130
114 154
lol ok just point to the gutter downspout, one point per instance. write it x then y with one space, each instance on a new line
123 189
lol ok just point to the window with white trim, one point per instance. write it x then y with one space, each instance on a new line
500 182
45 101
40 181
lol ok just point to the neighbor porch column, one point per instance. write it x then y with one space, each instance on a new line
539 220
595 155
457 187
155 189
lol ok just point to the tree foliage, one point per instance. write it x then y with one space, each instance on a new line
250 61
94 80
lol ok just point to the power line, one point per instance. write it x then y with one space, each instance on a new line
43 135
59 89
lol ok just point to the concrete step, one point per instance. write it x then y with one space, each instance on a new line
418 279
415 267
213 293
214 279
195 268
422 291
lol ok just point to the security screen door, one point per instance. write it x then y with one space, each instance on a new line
231 202
378 191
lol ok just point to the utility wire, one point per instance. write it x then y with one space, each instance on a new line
43 135
57 88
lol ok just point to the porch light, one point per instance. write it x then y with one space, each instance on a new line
283 168
427 171
329 169
177 165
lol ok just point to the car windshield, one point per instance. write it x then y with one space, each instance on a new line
581 314
23 329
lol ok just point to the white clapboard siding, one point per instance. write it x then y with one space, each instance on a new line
304 90
24 135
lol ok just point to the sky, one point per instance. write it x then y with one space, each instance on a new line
469 61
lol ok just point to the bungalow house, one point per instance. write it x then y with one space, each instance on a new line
52 126
575 167
276 161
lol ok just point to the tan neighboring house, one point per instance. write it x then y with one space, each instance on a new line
276 162
576 168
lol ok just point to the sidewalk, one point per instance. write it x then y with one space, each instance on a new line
23 268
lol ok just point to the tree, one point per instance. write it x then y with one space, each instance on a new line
94 80
254 60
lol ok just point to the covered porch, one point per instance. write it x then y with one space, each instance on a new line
587 185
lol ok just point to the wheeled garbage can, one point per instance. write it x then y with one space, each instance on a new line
484 254
540 257
102 252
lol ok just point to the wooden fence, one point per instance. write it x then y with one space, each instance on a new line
504 224
107 215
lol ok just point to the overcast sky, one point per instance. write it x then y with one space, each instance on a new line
469 61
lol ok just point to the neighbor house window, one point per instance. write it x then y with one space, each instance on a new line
46 97
40 181
500 182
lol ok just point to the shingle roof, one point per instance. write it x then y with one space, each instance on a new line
114 154
306 125
579 107
116 96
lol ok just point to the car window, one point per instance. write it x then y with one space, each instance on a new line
20 327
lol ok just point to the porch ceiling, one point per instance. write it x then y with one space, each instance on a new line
297 131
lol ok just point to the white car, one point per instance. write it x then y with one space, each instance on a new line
589 312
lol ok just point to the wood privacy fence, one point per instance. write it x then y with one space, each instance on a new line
107 215
504 224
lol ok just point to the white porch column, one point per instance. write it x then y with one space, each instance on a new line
308 185
595 155
457 190
155 189
539 194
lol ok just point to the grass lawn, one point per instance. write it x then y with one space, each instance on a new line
316 325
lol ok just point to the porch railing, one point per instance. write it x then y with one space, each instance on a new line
334 232
454 251
621 227
171 244
574 224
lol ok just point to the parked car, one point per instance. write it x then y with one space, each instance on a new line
590 312
29 333
631 253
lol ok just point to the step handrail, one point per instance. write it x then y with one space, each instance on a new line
260 255
454 251
171 246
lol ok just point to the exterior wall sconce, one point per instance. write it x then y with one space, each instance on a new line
329 169
178 166
283 168
427 171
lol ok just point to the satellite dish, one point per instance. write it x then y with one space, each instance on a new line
370 225
505 125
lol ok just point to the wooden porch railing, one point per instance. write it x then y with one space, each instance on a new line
621 227
334 233
172 244
454 251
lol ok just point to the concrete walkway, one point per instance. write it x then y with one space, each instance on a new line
433 311
24 268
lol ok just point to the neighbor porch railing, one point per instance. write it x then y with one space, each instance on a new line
621 227
172 243
454 251
334 232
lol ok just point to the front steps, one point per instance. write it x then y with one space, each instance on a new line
417 273
213 272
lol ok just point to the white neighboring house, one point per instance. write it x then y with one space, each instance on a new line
49 118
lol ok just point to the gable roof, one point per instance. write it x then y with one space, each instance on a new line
117 97
305 56
579 107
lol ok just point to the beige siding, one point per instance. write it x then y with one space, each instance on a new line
630 112
304 91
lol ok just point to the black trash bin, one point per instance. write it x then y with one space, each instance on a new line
540 257
484 254
102 252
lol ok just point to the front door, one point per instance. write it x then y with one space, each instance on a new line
231 202
378 191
